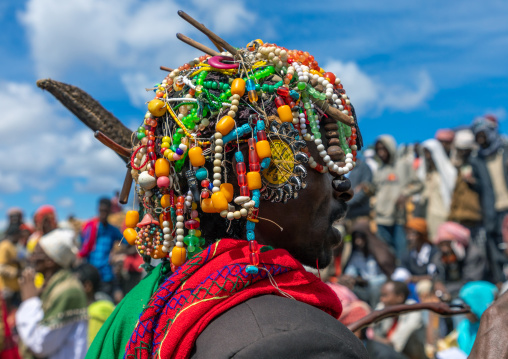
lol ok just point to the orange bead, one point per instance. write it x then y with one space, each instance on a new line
226 124
285 114
207 206
162 167
165 201
157 253
131 219
196 156
157 107
178 256
253 180
238 87
263 149
227 189
219 201
130 235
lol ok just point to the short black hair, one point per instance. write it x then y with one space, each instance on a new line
87 272
400 288
105 201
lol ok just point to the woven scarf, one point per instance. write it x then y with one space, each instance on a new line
63 300
209 284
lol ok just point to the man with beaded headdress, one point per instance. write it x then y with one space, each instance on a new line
227 138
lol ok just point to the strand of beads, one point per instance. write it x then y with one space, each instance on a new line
166 229
179 253
252 219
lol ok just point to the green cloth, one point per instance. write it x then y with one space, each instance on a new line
63 300
98 313
111 340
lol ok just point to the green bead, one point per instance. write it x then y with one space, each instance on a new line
177 138
301 86
318 135
258 87
141 129
141 135
214 85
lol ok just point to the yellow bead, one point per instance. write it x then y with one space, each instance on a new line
157 107
253 180
157 253
227 189
198 233
225 125
165 201
130 235
196 156
263 149
219 201
166 139
253 96
162 167
238 87
194 205
178 256
131 219
285 114
168 154
165 145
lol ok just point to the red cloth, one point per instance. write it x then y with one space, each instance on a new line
209 284
89 234
10 349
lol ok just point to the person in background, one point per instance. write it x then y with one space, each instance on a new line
417 262
478 296
369 155
371 262
44 222
394 183
53 324
98 239
459 261
361 183
8 346
465 206
439 176
490 168
15 217
115 203
9 268
445 137
100 305
405 333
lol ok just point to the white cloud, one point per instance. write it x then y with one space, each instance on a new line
499 112
37 198
65 202
135 84
368 94
47 149
119 37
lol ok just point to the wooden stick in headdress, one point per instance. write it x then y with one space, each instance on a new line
197 45
440 308
214 37
168 69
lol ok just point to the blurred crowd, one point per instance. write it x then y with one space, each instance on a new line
427 224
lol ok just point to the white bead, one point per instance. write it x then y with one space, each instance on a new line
319 79
216 169
217 176
307 136
340 171
320 148
349 166
322 153
166 230
313 164
165 249
334 97
346 170
237 214
349 160
217 163
335 168
215 189
218 149
167 237
219 142
231 216
224 214
179 225
318 141
249 204
216 183
330 164
179 238
303 125
326 158
179 231
179 218
218 156
349 155
218 135
354 147
241 199
179 243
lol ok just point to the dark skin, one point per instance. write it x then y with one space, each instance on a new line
42 263
388 297
415 241
382 152
481 140
104 212
447 146
431 166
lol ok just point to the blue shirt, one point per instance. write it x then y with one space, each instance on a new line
99 257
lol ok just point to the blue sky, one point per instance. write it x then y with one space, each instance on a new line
410 67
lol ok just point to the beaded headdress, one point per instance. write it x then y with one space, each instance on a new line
188 156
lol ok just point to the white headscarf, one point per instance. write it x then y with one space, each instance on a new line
447 172
59 245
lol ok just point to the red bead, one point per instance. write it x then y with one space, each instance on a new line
149 143
244 191
242 179
282 91
152 156
330 76
151 172
205 183
261 136
241 168
179 205
353 136
319 167
179 212
191 224
181 199
253 246
254 214
279 101
254 259
254 167
205 194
